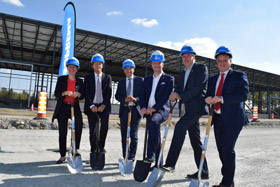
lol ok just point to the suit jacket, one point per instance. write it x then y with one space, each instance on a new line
61 86
121 92
193 94
89 84
234 92
163 90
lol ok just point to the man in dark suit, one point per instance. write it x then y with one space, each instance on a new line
128 92
228 90
98 91
190 90
154 103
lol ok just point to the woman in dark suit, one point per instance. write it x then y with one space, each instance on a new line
69 88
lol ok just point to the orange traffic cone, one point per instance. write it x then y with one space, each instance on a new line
32 107
42 106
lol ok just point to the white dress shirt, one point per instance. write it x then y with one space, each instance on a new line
188 71
152 100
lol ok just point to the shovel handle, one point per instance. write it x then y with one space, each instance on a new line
208 127
73 126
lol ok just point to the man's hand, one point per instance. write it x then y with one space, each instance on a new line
101 108
94 109
129 99
150 111
174 96
143 111
213 100
217 99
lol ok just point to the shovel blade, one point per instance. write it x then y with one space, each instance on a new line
125 167
97 161
155 177
75 164
195 183
141 170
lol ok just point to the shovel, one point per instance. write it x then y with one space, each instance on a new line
199 182
158 172
74 163
126 165
97 159
142 169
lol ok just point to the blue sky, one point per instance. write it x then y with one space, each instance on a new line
250 28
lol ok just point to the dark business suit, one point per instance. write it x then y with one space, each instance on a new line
162 107
193 98
135 114
229 123
106 83
63 112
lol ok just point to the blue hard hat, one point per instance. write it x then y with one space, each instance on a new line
97 58
157 56
223 50
73 61
128 63
187 49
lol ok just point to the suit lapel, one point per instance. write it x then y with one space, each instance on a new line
182 80
133 86
103 81
124 86
161 79
215 78
190 75
93 83
226 81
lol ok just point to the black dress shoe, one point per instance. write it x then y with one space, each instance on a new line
195 176
167 168
103 151
62 159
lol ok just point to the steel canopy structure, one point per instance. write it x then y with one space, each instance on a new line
27 42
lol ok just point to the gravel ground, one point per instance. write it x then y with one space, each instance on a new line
27 159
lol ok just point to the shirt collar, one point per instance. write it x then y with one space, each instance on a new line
130 77
226 72
190 68
95 74
157 76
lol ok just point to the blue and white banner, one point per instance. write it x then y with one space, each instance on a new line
68 37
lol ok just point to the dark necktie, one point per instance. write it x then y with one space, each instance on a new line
98 91
219 91
128 87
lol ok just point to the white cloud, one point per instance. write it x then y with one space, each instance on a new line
145 22
114 13
14 2
202 46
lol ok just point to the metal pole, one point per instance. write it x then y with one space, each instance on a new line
105 48
209 70
146 71
10 84
28 106
268 97
253 91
